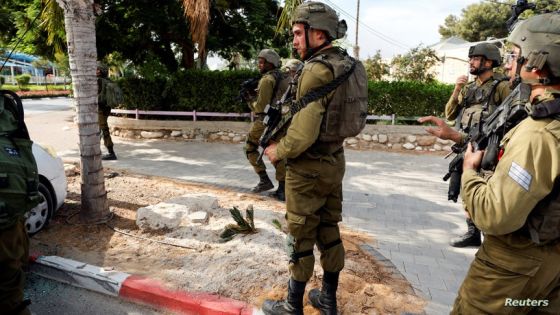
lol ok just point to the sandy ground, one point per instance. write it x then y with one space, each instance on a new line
249 267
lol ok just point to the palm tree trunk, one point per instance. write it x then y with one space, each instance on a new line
80 32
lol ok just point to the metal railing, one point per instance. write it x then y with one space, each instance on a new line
194 114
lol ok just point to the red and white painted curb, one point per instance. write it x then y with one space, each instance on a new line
135 288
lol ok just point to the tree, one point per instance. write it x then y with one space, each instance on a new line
80 31
375 67
487 19
415 65
198 15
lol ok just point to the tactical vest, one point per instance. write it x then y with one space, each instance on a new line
346 113
543 223
19 179
478 102
282 81
109 96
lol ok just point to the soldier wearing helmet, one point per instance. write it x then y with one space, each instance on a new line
292 67
315 166
471 101
517 269
271 86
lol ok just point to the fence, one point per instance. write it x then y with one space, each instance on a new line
194 114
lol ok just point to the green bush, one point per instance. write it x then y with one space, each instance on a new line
23 80
216 91
408 98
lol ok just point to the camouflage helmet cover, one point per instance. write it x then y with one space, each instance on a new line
489 51
270 56
539 40
321 17
293 64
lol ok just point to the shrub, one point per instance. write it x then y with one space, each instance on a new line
216 91
23 80
408 98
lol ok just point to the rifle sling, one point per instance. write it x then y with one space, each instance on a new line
546 109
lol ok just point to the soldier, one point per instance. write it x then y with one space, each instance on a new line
292 66
104 110
19 193
516 269
271 87
315 168
472 100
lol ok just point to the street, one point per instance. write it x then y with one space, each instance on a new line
398 198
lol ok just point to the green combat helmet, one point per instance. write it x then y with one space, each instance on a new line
539 40
488 51
271 57
320 16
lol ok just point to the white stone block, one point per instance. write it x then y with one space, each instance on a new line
199 217
151 134
408 146
367 137
383 138
176 133
411 139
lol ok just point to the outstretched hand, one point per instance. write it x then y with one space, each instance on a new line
441 130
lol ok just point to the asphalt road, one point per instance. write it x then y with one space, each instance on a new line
52 297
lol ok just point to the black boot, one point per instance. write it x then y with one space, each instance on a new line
279 193
293 305
111 156
325 300
264 183
471 238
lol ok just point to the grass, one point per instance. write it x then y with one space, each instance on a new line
33 87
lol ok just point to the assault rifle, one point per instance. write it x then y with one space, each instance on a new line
487 135
275 121
247 89
516 10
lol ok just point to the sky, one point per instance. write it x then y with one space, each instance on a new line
391 26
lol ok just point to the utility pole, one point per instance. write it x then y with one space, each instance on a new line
356 47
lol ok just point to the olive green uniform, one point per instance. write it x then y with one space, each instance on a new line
473 105
14 253
103 111
265 92
314 174
509 265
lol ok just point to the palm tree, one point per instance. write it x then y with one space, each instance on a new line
286 15
79 21
198 15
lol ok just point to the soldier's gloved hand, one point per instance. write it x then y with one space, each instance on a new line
471 160
271 152
442 130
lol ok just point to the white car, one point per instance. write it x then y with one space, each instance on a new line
52 186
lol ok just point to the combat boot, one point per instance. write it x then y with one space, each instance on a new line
264 183
325 300
280 192
471 238
293 305
111 156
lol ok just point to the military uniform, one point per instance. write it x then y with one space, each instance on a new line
313 181
511 263
265 91
103 111
14 254
472 99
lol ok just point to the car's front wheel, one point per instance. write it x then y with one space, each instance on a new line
38 217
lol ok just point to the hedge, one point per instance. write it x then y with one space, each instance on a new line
216 91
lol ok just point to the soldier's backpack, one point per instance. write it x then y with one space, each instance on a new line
19 179
111 94
346 114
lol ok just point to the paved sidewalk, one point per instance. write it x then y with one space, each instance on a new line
399 198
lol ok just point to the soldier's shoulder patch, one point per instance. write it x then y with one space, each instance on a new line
520 176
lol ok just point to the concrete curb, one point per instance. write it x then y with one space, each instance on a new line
135 288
